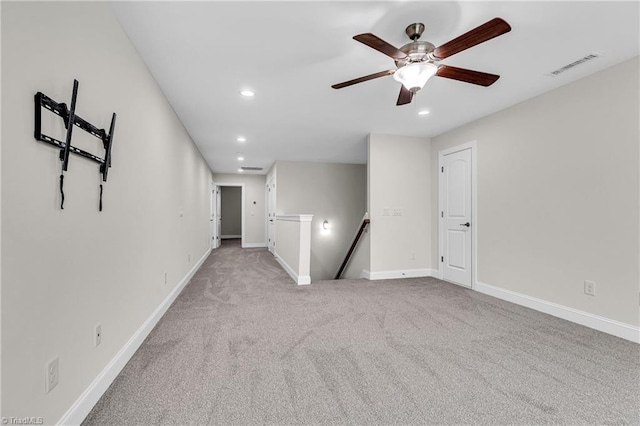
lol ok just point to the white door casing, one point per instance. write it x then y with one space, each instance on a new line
271 216
242 209
456 183
213 218
218 214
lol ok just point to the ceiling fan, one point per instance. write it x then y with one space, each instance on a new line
417 61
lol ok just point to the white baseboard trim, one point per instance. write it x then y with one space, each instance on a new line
404 273
229 237
254 245
606 325
299 279
83 405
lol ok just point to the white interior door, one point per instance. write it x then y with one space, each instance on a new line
271 216
212 218
218 215
456 217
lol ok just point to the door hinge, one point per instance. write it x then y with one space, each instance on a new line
442 169
441 258
441 214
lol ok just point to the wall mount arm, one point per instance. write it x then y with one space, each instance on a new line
71 119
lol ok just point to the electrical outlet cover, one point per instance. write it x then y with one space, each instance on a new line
98 335
590 288
52 375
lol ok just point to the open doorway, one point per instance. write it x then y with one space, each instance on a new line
214 215
231 214
228 205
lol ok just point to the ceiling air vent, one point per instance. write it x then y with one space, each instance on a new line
580 61
251 169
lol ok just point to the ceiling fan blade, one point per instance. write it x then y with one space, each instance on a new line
364 78
405 96
486 31
468 76
380 45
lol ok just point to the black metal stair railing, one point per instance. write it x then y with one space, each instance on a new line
354 244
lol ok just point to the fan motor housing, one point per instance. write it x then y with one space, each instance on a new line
417 51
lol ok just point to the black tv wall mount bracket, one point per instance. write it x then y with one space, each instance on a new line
71 119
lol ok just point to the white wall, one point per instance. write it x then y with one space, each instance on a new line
231 211
558 185
399 171
64 271
254 205
329 191
293 251
288 249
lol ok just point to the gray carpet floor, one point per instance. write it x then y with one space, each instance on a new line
244 345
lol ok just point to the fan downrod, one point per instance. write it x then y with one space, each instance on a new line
414 31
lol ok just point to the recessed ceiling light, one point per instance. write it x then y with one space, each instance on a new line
423 112
240 170
241 139
247 93
240 157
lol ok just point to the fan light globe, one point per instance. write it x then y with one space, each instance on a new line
414 76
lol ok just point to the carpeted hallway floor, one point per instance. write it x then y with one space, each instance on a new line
243 345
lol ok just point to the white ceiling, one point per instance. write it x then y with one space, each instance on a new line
203 53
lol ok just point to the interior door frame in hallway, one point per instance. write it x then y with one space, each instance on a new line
242 209
270 228
213 217
472 146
